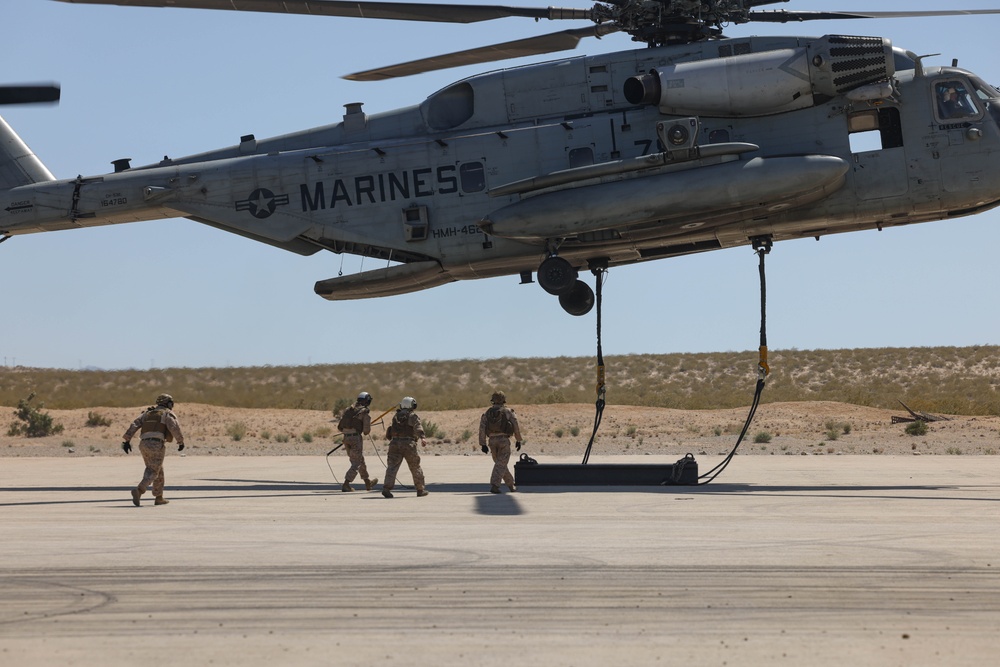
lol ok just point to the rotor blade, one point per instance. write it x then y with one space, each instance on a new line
532 46
782 16
29 94
400 11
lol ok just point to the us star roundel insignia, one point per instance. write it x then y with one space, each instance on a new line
261 203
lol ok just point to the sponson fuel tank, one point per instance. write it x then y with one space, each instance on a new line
755 185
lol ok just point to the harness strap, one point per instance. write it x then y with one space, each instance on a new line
599 273
762 246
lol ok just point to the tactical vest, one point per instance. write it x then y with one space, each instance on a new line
352 419
401 426
154 420
498 421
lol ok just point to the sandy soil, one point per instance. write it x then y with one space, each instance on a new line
808 428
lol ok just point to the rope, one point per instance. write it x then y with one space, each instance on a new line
599 274
761 246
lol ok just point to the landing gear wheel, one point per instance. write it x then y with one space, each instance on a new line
579 300
557 276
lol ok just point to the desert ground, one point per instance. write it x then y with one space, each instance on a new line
779 429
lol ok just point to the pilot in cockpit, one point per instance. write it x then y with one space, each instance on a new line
953 102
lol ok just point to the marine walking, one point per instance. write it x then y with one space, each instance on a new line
496 426
355 423
157 425
403 432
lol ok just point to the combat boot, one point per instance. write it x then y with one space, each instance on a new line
136 494
512 488
386 493
494 489
370 483
160 500
422 492
346 487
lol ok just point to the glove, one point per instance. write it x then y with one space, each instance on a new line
180 447
126 447
517 445
486 450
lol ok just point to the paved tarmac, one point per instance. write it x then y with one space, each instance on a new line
262 561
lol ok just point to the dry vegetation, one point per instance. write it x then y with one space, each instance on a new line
954 380
816 402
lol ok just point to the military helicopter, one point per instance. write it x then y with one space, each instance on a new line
694 142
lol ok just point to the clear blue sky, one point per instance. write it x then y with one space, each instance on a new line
144 83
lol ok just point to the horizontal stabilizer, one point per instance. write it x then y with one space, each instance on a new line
18 165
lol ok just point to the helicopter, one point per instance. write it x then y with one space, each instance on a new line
693 142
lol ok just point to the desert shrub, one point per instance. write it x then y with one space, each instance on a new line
340 405
466 434
281 437
36 424
431 429
323 432
97 419
762 437
918 427
307 437
236 430
574 431
558 432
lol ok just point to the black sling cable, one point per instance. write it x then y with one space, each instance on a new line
761 246
599 273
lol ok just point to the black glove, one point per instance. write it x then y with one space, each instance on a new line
517 445
486 450
126 447
180 447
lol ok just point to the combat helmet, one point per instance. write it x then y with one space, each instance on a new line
165 400
498 397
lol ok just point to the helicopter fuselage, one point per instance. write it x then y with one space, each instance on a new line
622 158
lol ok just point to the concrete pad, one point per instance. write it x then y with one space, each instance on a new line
821 560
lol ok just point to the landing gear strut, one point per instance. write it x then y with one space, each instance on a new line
560 278
579 300
556 275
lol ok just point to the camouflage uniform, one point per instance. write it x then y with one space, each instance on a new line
404 431
158 426
354 445
499 445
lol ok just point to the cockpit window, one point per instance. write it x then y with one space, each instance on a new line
954 100
989 97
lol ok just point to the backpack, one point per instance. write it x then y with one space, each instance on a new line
351 419
497 421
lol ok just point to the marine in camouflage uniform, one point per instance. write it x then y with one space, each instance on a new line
355 424
157 425
404 431
496 426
